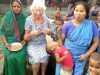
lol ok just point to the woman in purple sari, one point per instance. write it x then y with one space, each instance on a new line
79 33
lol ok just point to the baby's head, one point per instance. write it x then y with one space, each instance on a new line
52 45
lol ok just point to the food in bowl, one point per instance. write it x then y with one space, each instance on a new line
16 46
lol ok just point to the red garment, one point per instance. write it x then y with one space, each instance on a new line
68 61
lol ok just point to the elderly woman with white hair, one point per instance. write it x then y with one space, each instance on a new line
36 27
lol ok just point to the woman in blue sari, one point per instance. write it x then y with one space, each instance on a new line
79 33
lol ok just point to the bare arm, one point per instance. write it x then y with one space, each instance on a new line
59 59
3 38
29 34
62 36
93 46
91 49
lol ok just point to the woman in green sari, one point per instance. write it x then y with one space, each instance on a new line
11 30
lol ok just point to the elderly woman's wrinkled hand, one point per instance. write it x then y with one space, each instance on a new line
36 33
47 31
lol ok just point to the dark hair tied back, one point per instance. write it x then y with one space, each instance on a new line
86 6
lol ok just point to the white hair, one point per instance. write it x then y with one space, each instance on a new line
38 4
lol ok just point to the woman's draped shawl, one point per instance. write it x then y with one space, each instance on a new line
80 38
7 27
6 24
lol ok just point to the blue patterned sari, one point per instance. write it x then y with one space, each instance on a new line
78 41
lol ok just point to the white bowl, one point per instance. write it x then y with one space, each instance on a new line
16 46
